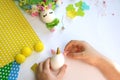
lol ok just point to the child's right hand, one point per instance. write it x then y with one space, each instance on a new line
83 51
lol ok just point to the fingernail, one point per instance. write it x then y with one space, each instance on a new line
66 52
65 65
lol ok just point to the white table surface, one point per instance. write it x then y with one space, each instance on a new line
98 27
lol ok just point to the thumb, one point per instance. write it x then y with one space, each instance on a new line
62 71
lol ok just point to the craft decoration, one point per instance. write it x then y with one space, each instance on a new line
57 61
49 18
15 33
26 51
20 58
77 9
9 71
39 47
34 10
44 9
34 67
14 71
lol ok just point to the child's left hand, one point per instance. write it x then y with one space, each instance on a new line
45 73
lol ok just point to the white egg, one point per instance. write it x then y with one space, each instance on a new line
47 16
57 61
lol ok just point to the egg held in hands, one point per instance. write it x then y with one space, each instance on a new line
57 61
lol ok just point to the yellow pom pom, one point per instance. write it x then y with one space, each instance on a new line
26 51
20 58
39 47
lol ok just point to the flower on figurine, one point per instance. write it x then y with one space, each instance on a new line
44 8
22 2
34 11
72 14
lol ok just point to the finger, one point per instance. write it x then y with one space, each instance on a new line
46 64
76 43
65 53
37 76
37 72
37 69
77 55
53 51
80 48
84 43
41 67
68 45
62 71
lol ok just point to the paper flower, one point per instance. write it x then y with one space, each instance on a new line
70 7
77 9
80 12
78 4
82 5
72 14
71 11
85 6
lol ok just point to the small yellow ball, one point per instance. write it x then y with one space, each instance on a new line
20 58
26 51
39 47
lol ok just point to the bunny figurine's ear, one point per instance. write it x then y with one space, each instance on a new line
50 6
53 51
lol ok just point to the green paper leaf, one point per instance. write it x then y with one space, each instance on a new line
80 12
79 4
70 7
34 1
53 7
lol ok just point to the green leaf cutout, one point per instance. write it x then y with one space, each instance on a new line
70 7
79 4
80 12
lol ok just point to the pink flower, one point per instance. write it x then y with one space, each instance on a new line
34 14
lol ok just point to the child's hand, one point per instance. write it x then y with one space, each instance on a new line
45 73
82 51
